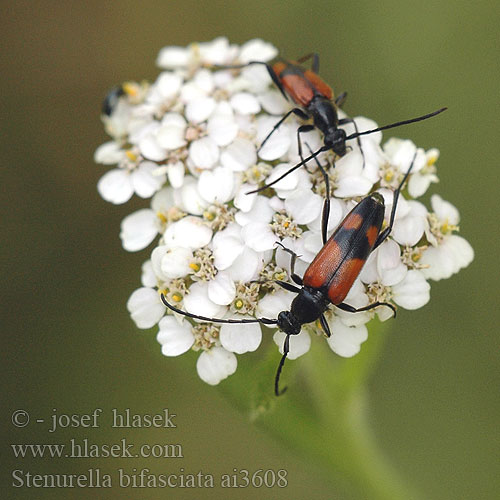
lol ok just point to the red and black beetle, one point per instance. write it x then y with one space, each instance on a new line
331 274
315 98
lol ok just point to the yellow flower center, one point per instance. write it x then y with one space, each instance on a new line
161 216
131 155
389 175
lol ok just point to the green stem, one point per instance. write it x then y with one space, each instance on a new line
328 423
353 452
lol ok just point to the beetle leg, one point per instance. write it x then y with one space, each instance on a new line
293 258
339 101
300 130
286 349
288 286
315 62
326 206
385 233
324 325
344 121
348 308
295 111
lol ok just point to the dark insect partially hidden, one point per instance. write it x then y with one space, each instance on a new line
331 274
111 100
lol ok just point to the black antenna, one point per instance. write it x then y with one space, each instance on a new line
316 153
286 349
396 124
265 321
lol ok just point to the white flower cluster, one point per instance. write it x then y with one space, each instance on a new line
189 141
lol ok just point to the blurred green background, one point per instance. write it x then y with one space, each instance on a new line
68 341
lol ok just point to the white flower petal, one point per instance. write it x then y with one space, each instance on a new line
438 263
145 181
170 135
462 251
369 273
413 292
289 183
346 341
246 266
115 186
148 276
189 199
151 149
273 102
245 103
198 302
204 80
189 232
168 84
198 110
259 236
409 230
173 57
138 230
216 186
163 200
175 174
175 262
444 210
355 185
239 155
254 78
419 183
271 305
453 254
109 153
216 52
356 298
243 200
222 129
278 143
304 206
215 365
261 211
204 153
257 50
175 338
337 212
389 266
240 338
222 289
145 307
156 256
402 155
299 344
227 245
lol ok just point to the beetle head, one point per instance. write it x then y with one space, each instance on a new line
288 323
335 140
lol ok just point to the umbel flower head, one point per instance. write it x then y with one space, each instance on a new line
189 142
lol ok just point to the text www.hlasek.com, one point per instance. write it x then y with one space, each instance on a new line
85 449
